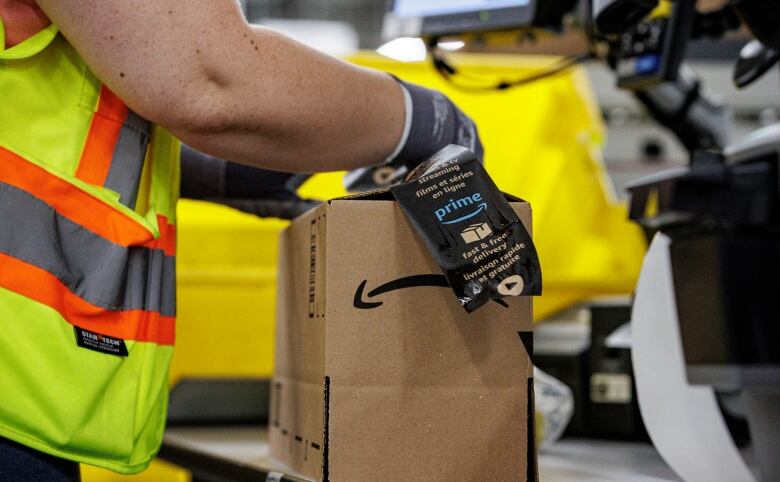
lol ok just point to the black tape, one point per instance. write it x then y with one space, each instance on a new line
474 234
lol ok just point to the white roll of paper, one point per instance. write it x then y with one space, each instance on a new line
684 421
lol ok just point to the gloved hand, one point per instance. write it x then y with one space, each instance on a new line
267 194
432 122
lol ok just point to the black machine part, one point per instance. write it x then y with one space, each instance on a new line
617 16
647 55
698 120
612 408
733 190
651 52
762 18
754 61
723 216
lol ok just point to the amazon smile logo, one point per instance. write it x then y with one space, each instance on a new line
459 210
364 301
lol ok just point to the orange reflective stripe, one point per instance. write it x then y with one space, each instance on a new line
79 206
39 285
101 141
167 240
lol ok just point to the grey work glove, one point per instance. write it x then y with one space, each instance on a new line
267 194
432 123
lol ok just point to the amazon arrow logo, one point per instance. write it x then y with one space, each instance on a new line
455 206
435 280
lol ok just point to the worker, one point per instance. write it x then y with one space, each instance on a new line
93 99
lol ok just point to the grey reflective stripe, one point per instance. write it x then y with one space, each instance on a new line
124 175
105 274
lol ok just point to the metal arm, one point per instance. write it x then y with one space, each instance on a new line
699 121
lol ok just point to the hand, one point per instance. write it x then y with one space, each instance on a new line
432 122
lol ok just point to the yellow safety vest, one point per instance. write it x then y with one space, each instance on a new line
88 192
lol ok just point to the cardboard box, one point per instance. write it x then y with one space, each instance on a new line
381 375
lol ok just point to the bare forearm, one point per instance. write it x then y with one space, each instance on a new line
311 113
239 92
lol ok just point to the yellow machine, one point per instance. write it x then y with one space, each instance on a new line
542 143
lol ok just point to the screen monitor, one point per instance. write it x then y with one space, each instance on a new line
414 18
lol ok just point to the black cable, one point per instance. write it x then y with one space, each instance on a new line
449 72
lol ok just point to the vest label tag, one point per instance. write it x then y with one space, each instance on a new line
100 343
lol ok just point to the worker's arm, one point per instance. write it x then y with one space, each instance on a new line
233 90
250 189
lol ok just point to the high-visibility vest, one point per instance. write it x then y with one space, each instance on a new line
88 191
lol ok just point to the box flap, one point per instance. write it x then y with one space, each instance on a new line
375 195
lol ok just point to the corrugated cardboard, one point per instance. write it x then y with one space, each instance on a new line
380 374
